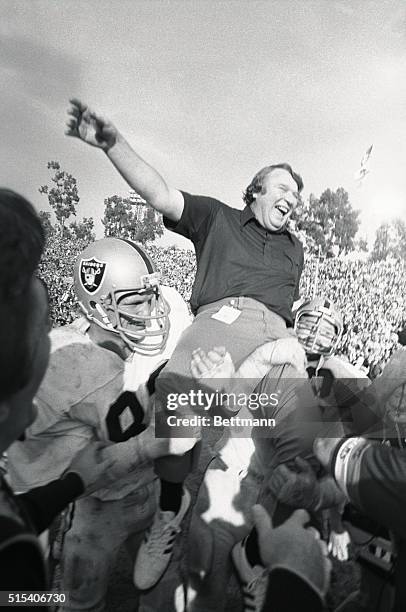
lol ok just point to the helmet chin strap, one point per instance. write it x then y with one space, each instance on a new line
320 361
104 317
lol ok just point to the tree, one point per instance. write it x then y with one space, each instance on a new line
399 244
390 241
83 230
118 218
330 222
362 245
45 218
131 218
381 245
63 197
150 226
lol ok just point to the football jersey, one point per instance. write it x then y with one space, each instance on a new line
301 409
138 367
87 394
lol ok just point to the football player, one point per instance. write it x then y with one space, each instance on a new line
236 304
250 461
371 470
91 394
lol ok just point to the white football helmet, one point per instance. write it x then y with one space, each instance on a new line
319 326
111 277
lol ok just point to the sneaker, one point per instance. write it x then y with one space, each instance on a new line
254 579
156 550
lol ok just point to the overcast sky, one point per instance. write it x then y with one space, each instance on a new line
210 91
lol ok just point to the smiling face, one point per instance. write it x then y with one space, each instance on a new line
278 198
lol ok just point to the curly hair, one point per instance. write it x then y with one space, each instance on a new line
257 182
22 242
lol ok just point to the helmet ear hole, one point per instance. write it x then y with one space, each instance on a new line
92 304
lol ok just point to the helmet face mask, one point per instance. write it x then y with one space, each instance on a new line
118 289
318 326
138 319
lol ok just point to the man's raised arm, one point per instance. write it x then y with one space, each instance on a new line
98 131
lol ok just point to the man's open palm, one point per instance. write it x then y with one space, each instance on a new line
89 126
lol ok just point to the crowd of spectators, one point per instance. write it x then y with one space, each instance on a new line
369 294
56 269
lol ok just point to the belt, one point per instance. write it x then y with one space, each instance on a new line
240 303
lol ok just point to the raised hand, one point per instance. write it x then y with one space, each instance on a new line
89 126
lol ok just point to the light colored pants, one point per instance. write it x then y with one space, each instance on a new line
222 517
91 544
254 326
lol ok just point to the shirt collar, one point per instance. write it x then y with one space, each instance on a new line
247 215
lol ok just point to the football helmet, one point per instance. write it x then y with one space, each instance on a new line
118 289
319 326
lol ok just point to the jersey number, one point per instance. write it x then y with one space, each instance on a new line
124 418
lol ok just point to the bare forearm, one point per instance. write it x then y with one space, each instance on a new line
126 456
145 180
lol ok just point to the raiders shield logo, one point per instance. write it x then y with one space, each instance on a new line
91 274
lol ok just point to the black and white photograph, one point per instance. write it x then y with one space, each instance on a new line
203 305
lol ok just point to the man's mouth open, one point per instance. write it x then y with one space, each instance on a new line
283 209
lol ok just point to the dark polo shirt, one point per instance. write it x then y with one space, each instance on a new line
237 257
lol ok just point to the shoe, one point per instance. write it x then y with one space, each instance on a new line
254 579
156 550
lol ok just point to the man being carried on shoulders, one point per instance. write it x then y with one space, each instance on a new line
248 272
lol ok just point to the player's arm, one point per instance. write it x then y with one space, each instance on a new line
372 476
121 458
367 405
300 488
89 470
218 363
43 504
127 445
97 130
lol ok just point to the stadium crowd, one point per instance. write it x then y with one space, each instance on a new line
86 408
369 294
291 568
